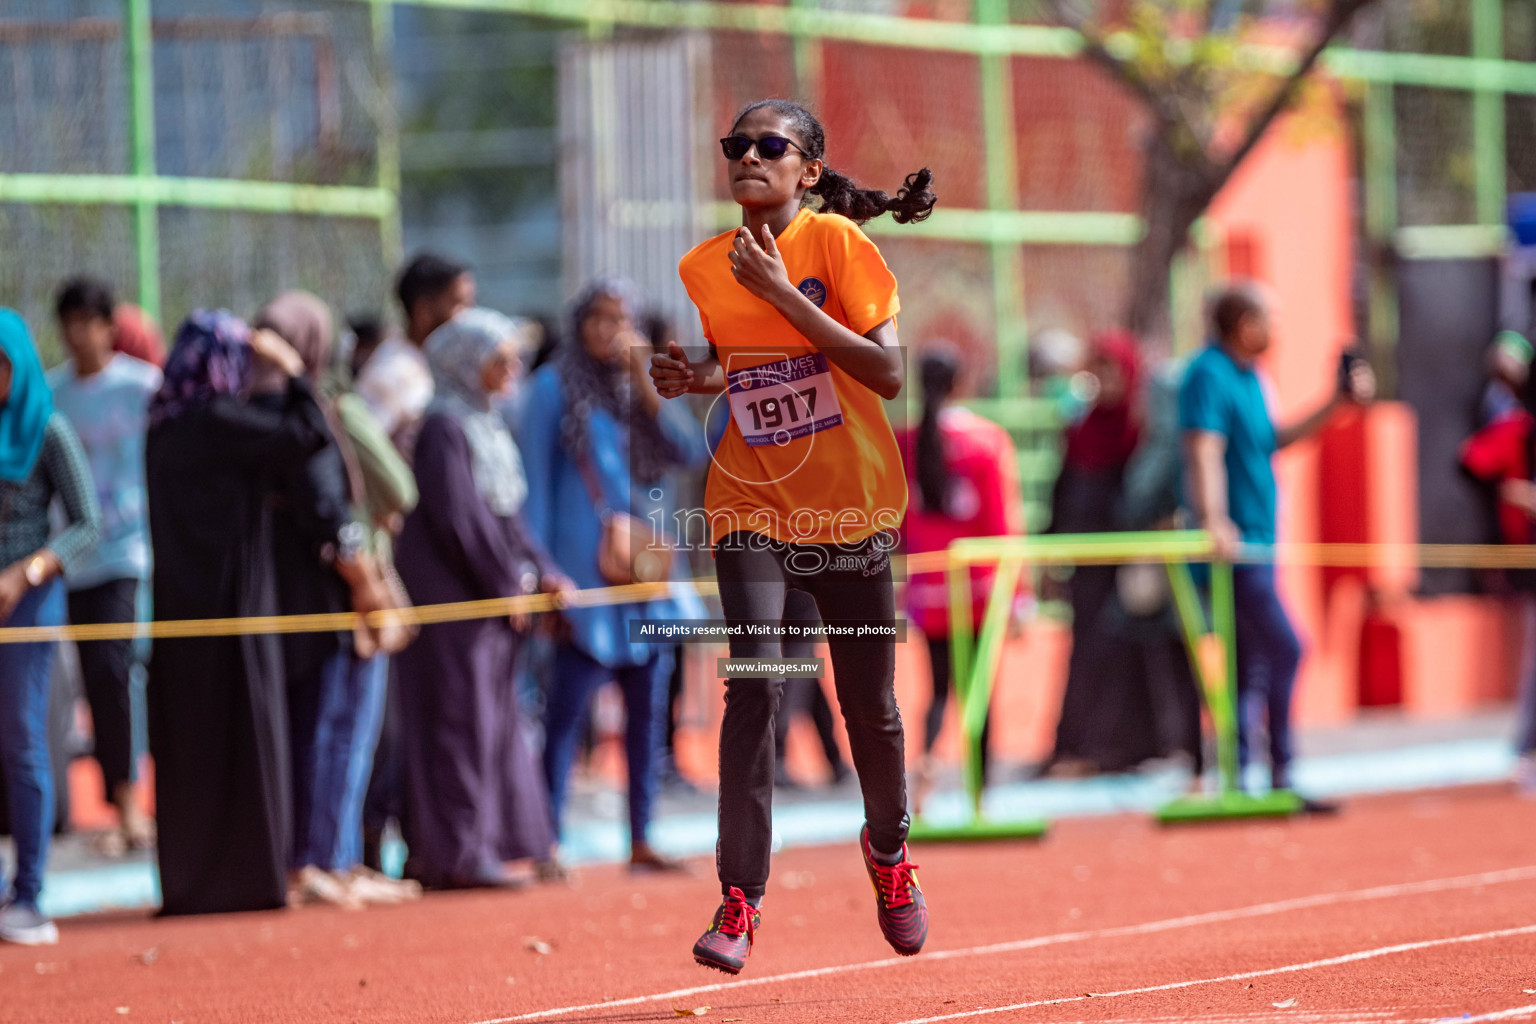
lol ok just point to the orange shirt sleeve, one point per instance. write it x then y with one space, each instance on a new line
864 284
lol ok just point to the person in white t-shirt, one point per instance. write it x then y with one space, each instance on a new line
105 396
395 381
396 385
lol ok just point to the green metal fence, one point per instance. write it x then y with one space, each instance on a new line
1442 136
272 118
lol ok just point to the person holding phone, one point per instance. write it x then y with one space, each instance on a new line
1230 440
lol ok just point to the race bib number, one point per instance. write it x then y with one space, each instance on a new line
778 402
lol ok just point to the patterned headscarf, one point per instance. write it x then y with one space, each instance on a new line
25 412
211 357
591 385
135 333
457 353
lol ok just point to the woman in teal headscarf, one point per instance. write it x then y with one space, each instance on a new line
40 459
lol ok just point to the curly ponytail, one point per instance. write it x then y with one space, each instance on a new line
913 202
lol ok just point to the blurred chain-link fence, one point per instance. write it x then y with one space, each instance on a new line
210 152
185 169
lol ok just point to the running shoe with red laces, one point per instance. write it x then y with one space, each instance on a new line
729 939
899 901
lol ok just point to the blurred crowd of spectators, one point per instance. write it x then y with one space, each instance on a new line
280 466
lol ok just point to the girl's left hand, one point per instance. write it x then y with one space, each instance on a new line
759 268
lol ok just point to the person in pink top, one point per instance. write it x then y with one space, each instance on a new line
963 474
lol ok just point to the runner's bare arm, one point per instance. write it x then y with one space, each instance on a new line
872 359
1358 389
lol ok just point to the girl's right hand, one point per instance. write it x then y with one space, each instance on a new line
671 372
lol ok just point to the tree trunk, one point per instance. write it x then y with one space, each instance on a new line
1173 195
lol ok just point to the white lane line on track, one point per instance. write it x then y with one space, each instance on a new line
1510 1014
1375 1016
1310 965
1119 931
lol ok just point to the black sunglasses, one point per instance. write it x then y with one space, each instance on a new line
769 147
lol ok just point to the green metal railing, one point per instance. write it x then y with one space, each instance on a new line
145 191
141 112
1000 225
976 655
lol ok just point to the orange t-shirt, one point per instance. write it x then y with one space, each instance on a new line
809 456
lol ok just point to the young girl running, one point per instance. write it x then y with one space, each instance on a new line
807 487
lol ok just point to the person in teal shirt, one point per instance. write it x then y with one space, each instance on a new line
1224 395
1230 440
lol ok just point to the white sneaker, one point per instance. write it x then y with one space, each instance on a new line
25 925
374 888
312 885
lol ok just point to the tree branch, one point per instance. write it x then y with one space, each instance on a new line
1339 14
1163 103
1095 50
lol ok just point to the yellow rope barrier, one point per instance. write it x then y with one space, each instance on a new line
1412 556
1361 556
1397 556
334 622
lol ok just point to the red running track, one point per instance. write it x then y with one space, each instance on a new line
1416 907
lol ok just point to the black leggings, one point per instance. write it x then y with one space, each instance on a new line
106 670
755 574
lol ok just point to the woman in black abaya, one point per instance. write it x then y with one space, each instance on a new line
217 713
1108 721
